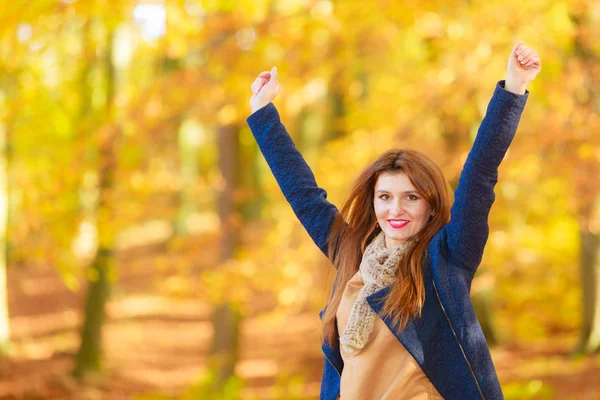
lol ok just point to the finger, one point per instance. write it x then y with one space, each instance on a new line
530 60
516 48
260 83
534 58
255 86
274 74
528 57
523 59
265 74
523 53
535 63
526 54
522 48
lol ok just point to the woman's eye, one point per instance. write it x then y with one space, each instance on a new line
412 197
383 197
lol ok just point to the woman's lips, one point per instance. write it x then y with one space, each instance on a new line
399 224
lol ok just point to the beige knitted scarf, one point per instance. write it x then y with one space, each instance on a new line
378 270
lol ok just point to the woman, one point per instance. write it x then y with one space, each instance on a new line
400 323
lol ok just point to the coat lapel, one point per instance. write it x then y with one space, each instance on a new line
409 336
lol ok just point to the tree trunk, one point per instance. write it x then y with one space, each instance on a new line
590 278
9 90
4 321
588 194
224 351
250 175
188 140
337 128
89 355
90 351
226 319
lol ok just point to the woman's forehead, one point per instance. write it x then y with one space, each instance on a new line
394 182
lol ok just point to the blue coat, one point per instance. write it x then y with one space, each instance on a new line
447 340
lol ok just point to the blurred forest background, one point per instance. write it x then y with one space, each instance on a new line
146 250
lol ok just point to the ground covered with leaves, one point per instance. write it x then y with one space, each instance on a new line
156 342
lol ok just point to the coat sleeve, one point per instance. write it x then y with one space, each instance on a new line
467 232
294 176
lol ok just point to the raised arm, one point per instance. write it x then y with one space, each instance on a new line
296 180
467 231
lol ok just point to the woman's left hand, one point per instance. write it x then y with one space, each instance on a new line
523 66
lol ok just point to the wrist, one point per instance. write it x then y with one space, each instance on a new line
257 107
515 86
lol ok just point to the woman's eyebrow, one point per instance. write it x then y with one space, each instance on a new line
406 192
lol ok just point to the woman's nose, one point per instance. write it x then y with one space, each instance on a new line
397 208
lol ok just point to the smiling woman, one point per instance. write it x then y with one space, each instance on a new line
401 209
400 323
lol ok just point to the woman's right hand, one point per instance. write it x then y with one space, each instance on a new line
264 89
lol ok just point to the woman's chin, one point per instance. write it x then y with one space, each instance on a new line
396 237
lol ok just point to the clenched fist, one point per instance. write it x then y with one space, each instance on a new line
523 66
264 89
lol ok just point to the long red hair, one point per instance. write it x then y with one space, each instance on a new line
354 228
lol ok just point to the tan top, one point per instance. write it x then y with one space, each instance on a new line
383 369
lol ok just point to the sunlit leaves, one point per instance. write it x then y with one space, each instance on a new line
416 74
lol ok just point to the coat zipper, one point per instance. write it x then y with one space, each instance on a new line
457 341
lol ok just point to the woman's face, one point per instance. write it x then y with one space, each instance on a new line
399 208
